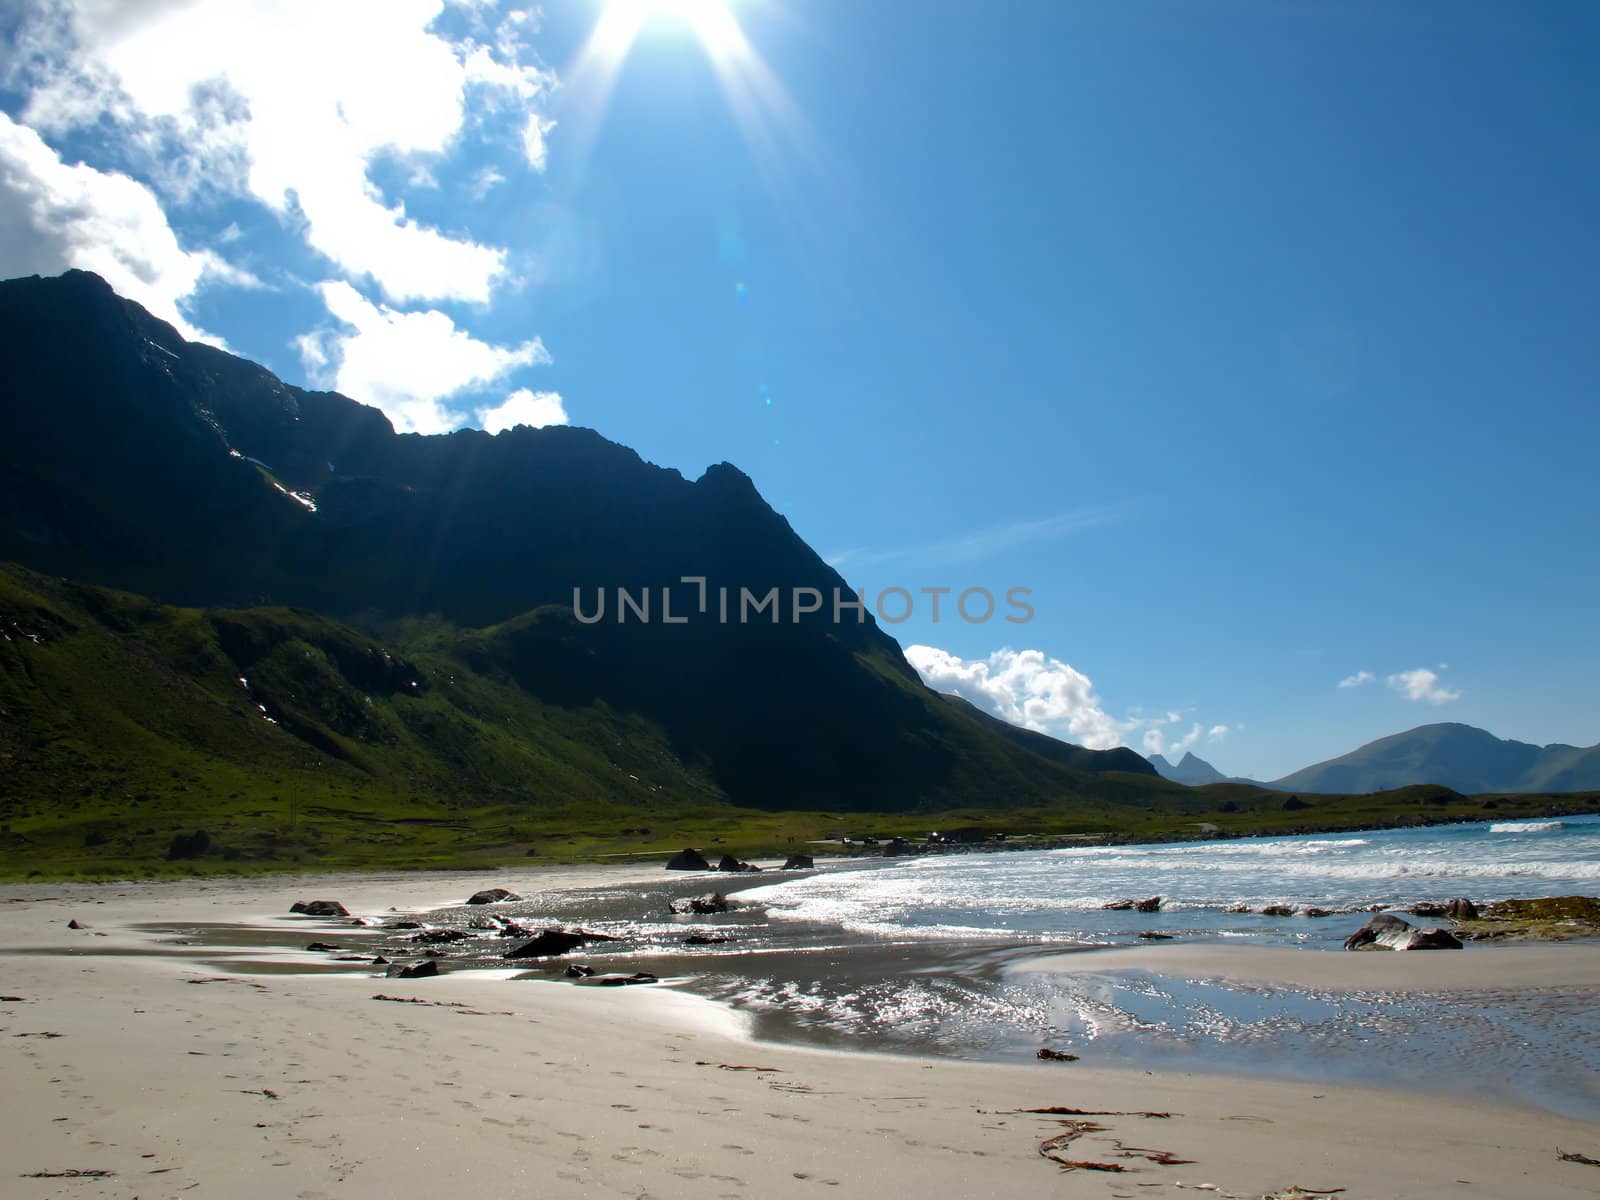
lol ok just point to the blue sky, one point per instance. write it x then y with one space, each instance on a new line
1257 339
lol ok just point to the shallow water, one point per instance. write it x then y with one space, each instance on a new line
921 956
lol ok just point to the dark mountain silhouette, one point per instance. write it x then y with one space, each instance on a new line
133 459
1461 757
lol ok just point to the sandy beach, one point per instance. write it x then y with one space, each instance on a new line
126 1056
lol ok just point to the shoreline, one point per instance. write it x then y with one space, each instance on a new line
579 1091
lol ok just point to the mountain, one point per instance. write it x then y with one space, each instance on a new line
241 533
1460 757
1042 744
1191 770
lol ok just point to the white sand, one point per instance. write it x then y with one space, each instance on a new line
545 1089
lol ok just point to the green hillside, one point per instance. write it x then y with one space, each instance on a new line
296 742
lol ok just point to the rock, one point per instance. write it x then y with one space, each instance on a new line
555 941
404 925
421 970
74 924
510 929
323 946
1238 908
1461 910
798 862
1395 933
577 971
1150 935
897 847
730 863
358 923
1049 1055
436 937
319 908
1149 906
707 939
617 980
1277 910
688 860
380 961
1119 906
1427 908
492 896
1314 911
711 902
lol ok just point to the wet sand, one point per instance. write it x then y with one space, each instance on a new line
182 1080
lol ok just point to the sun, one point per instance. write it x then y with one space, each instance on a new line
711 21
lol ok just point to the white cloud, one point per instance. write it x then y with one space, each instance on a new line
1217 732
55 216
1422 685
534 148
290 101
406 363
1025 688
524 407
1359 679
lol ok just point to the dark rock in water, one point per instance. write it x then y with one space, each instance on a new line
421 970
1427 908
1118 906
358 923
434 937
620 980
1461 909
319 908
1049 1055
1238 908
1277 910
74 924
404 925
1149 906
492 896
380 961
1314 911
711 902
688 860
897 847
798 862
323 946
578 971
707 939
1382 925
1395 933
730 863
556 941
1150 935
512 929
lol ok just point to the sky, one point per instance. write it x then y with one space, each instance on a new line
1259 341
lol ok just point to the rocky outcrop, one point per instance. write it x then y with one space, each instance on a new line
898 847
422 970
711 902
1389 932
618 980
1547 919
730 863
492 896
1461 910
798 862
319 908
439 937
556 941
1153 904
688 859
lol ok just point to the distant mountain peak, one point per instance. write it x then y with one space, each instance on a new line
1191 769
